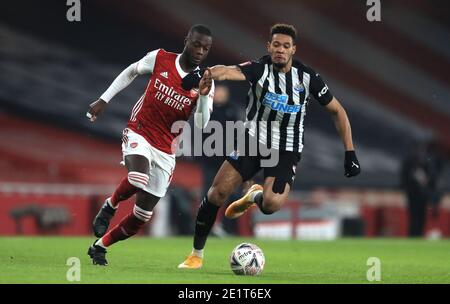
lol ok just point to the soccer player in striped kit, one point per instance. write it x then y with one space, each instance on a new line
148 142
281 88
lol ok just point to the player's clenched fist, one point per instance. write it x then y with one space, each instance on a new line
95 109
351 164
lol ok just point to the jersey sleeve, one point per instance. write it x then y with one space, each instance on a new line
147 63
252 70
319 89
203 108
211 96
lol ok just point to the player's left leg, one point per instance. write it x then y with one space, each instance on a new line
264 197
136 166
274 194
128 226
138 175
270 200
134 221
278 181
154 174
135 153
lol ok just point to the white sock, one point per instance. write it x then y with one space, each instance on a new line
253 195
197 253
100 243
108 201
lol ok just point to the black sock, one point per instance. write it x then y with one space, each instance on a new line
259 202
206 217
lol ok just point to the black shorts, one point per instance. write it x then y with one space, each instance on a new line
283 171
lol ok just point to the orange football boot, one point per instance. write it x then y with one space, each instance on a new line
239 207
191 262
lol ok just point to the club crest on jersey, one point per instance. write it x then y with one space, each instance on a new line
299 87
194 92
134 145
279 102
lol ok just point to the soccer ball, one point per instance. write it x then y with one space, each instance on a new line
247 259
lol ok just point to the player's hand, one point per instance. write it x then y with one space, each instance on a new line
192 80
205 83
95 109
351 164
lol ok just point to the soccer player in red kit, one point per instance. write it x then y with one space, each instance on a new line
148 144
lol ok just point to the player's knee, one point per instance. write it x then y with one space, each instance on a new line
146 201
142 214
217 195
271 204
138 179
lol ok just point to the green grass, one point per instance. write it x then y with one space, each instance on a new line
147 260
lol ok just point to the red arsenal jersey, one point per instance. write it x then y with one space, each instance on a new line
163 103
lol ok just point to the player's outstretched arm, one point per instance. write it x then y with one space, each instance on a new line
120 83
222 72
351 164
218 72
143 66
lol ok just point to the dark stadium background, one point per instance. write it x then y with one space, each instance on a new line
391 76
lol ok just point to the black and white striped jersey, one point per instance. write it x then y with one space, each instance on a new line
276 102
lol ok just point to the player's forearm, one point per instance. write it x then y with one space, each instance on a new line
343 128
202 113
219 72
121 82
222 72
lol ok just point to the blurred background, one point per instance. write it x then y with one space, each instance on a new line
56 168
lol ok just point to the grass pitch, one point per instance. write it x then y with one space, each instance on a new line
148 260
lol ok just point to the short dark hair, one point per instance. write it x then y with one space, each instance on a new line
201 29
282 28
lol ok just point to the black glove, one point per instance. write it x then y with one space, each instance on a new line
192 79
351 164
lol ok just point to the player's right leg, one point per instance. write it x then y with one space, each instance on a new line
225 183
